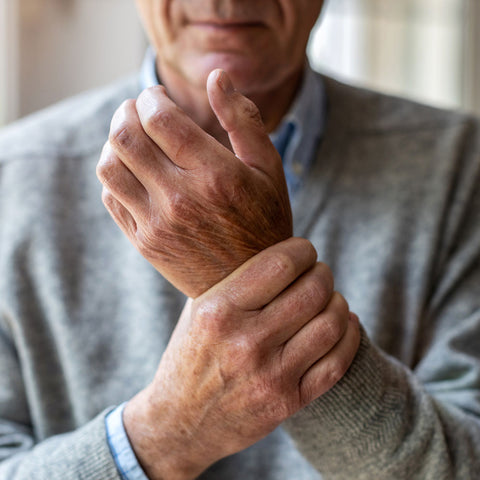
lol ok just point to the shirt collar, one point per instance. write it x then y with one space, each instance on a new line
148 72
297 136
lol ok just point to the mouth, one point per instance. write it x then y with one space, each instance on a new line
216 25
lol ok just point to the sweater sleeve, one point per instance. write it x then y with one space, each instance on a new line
380 422
421 421
81 454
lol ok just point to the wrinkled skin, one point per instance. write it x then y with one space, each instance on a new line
261 45
193 208
193 180
242 359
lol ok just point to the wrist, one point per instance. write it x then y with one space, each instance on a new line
156 441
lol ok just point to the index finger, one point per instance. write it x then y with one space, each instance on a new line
177 135
263 277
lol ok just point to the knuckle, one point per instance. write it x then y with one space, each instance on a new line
121 134
149 98
336 370
120 137
307 245
317 292
270 402
243 350
107 198
162 119
331 329
107 168
151 95
281 264
334 330
302 249
212 315
102 170
218 191
276 409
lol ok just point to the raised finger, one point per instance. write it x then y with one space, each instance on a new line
241 119
135 148
180 138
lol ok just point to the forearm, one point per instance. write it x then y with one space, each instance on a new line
82 454
379 422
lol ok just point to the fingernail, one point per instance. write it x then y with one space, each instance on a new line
225 83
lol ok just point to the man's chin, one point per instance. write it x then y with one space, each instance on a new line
247 75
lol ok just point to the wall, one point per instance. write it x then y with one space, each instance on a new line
56 48
428 50
8 61
425 49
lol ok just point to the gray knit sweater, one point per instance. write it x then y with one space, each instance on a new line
392 205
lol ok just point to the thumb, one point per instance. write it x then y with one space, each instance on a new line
241 119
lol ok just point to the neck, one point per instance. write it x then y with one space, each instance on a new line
273 102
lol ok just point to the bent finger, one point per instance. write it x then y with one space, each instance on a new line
263 277
136 149
328 371
318 337
122 217
297 305
180 138
121 183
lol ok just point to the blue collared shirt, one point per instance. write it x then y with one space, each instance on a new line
296 139
298 135
300 132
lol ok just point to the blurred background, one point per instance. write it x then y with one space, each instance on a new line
428 50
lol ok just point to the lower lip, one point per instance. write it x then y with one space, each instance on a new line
230 27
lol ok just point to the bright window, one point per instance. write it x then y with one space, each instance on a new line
424 49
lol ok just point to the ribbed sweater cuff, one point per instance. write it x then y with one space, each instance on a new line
357 417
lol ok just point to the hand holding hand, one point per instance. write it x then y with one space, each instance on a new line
247 354
193 208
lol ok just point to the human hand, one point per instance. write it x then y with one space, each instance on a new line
247 354
193 208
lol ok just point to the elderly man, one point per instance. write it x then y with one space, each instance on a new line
224 349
